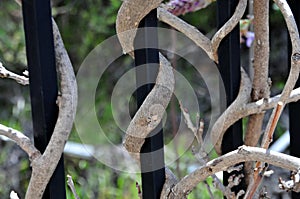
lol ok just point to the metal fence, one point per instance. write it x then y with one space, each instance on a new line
43 83
43 90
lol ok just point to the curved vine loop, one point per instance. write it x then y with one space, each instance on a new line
151 112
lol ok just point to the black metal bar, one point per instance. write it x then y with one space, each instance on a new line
229 67
152 155
294 108
43 83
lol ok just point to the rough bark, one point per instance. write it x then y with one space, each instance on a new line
23 141
129 16
295 59
44 166
151 112
260 85
228 27
242 154
240 108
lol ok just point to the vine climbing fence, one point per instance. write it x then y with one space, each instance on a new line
224 49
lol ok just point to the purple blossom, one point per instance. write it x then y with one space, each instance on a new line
181 7
249 38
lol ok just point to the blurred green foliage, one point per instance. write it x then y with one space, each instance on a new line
93 180
85 24
12 42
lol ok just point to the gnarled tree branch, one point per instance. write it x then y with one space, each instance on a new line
190 31
230 114
129 16
242 154
44 166
260 85
151 111
228 27
295 62
239 109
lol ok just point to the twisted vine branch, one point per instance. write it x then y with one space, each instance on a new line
150 113
240 107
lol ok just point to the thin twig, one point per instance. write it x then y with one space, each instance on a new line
72 187
22 140
226 191
189 122
200 131
209 189
259 173
201 155
4 73
139 190
268 137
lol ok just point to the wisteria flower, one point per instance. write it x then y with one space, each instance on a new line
181 7
249 38
246 35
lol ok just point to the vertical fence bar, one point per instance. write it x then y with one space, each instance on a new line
294 108
152 155
43 83
229 67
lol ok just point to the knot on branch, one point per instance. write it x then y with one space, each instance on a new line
243 150
35 155
296 57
